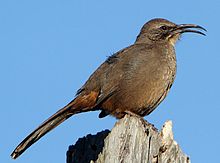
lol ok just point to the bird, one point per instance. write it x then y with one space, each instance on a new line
134 80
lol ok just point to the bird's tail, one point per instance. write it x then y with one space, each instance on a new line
78 105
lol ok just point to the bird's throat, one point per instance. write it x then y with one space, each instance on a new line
173 39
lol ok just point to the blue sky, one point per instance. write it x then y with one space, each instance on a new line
49 48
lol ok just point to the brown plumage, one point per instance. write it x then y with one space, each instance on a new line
134 80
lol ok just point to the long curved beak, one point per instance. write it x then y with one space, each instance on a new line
183 28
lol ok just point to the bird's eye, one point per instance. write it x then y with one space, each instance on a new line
164 27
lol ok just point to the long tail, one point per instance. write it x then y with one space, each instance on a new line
78 105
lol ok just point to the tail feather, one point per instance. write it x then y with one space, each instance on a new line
44 128
80 104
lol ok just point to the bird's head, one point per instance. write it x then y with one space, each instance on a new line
162 30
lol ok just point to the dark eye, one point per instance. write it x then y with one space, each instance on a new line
164 27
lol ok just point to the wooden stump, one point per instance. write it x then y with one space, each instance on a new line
132 140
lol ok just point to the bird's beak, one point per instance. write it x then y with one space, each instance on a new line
182 28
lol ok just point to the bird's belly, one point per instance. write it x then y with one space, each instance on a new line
150 98
138 101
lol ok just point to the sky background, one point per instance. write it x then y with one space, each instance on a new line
49 48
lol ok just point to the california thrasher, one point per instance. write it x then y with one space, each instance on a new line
134 80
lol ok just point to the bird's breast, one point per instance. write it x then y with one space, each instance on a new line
151 81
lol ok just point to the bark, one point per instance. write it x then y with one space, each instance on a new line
132 140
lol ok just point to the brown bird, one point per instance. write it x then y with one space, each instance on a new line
134 80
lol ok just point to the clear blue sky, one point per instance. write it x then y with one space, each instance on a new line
49 48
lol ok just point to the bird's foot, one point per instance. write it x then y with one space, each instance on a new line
143 121
132 114
136 115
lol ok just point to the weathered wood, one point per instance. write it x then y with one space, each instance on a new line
87 148
132 140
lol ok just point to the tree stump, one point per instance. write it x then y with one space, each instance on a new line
132 140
